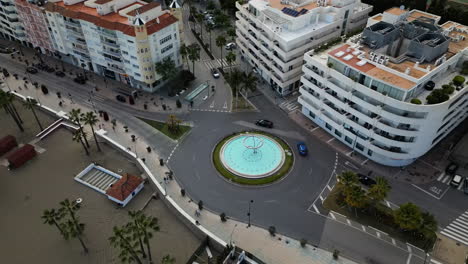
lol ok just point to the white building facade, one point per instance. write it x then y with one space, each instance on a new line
119 39
10 25
273 35
365 92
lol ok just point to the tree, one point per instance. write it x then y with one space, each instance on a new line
166 68
78 137
75 116
231 32
379 191
235 79
199 18
52 217
122 239
408 216
209 29
428 226
6 101
31 104
194 54
437 96
249 82
347 179
90 119
220 42
356 197
145 225
72 227
173 124
184 53
230 59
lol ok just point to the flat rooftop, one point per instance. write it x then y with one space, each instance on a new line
278 5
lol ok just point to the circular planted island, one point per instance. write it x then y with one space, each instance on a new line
252 158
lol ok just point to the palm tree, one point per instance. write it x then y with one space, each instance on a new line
78 137
428 226
72 227
122 240
136 231
249 82
408 216
75 116
220 42
235 78
168 259
230 59
30 104
166 68
52 217
184 53
10 98
231 32
194 54
379 191
356 197
209 29
90 119
147 225
4 102
199 18
347 179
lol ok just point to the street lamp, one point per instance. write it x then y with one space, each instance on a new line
232 232
248 214
91 94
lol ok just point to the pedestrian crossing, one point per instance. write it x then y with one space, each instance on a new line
290 106
218 63
446 179
458 229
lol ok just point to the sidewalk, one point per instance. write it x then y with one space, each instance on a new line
272 250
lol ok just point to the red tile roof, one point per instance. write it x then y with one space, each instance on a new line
144 8
122 188
112 21
101 2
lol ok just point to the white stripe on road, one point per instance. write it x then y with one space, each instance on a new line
316 209
332 216
455 237
435 261
330 140
378 234
321 198
441 176
460 186
393 242
363 228
347 221
410 250
446 179
329 188
408 261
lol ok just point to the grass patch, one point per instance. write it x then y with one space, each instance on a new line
288 162
242 104
379 217
162 127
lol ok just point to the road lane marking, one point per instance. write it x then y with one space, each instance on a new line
408 261
329 188
332 216
347 221
225 105
441 176
378 234
321 198
393 242
315 208
312 130
409 249
330 140
446 179
212 104
364 162
363 228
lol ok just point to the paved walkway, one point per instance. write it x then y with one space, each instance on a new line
272 250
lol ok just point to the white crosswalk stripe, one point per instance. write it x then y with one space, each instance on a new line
290 105
446 179
218 63
458 229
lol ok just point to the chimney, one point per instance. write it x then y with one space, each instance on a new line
157 20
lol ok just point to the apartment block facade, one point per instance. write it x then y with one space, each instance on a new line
119 39
10 24
370 93
273 35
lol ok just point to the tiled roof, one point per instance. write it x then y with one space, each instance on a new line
122 188
144 8
395 11
101 2
112 21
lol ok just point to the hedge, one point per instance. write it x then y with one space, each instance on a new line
416 101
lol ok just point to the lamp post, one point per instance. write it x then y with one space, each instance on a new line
248 214
91 94
232 232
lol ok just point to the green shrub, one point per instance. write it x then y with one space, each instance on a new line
416 101
464 71
448 89
458 80
437 96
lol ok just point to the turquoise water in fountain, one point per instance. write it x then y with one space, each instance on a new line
250 162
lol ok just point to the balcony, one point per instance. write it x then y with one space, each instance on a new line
108 33
388 150
73 24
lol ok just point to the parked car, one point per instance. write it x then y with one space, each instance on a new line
49 69
120 98
302 148
456 180
429 85
80 79
366 180
264 123
230 46
465 185
60 73
215 73
31 70
451 169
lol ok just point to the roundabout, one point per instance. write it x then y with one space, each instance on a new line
252 158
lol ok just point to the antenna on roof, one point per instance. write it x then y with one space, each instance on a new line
402 7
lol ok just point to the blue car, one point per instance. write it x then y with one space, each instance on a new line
302 148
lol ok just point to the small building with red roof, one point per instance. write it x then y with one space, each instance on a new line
125 189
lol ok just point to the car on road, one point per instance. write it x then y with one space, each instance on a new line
451 168
230 46
456 180
302 148
80 79
31 70
366 180
264 123
60 74
465 185
215 73
120 98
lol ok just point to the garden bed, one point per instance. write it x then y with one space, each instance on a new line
163 128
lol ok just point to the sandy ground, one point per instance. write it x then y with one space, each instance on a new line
449 251
47 179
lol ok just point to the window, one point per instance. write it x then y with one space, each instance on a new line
328 126
348 139
124 52
135 66
165 39
133 57
369 152
168 47
137 74
129 41
338 133
360 147
311 114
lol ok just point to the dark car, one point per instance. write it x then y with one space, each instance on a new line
302 148
121 98
429 85
451 169
366 180
60 73
465 185
80 79
31 70
264 123
215 73
49 69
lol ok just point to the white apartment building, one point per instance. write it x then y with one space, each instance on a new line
10 25
119 39
273 35
361 92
